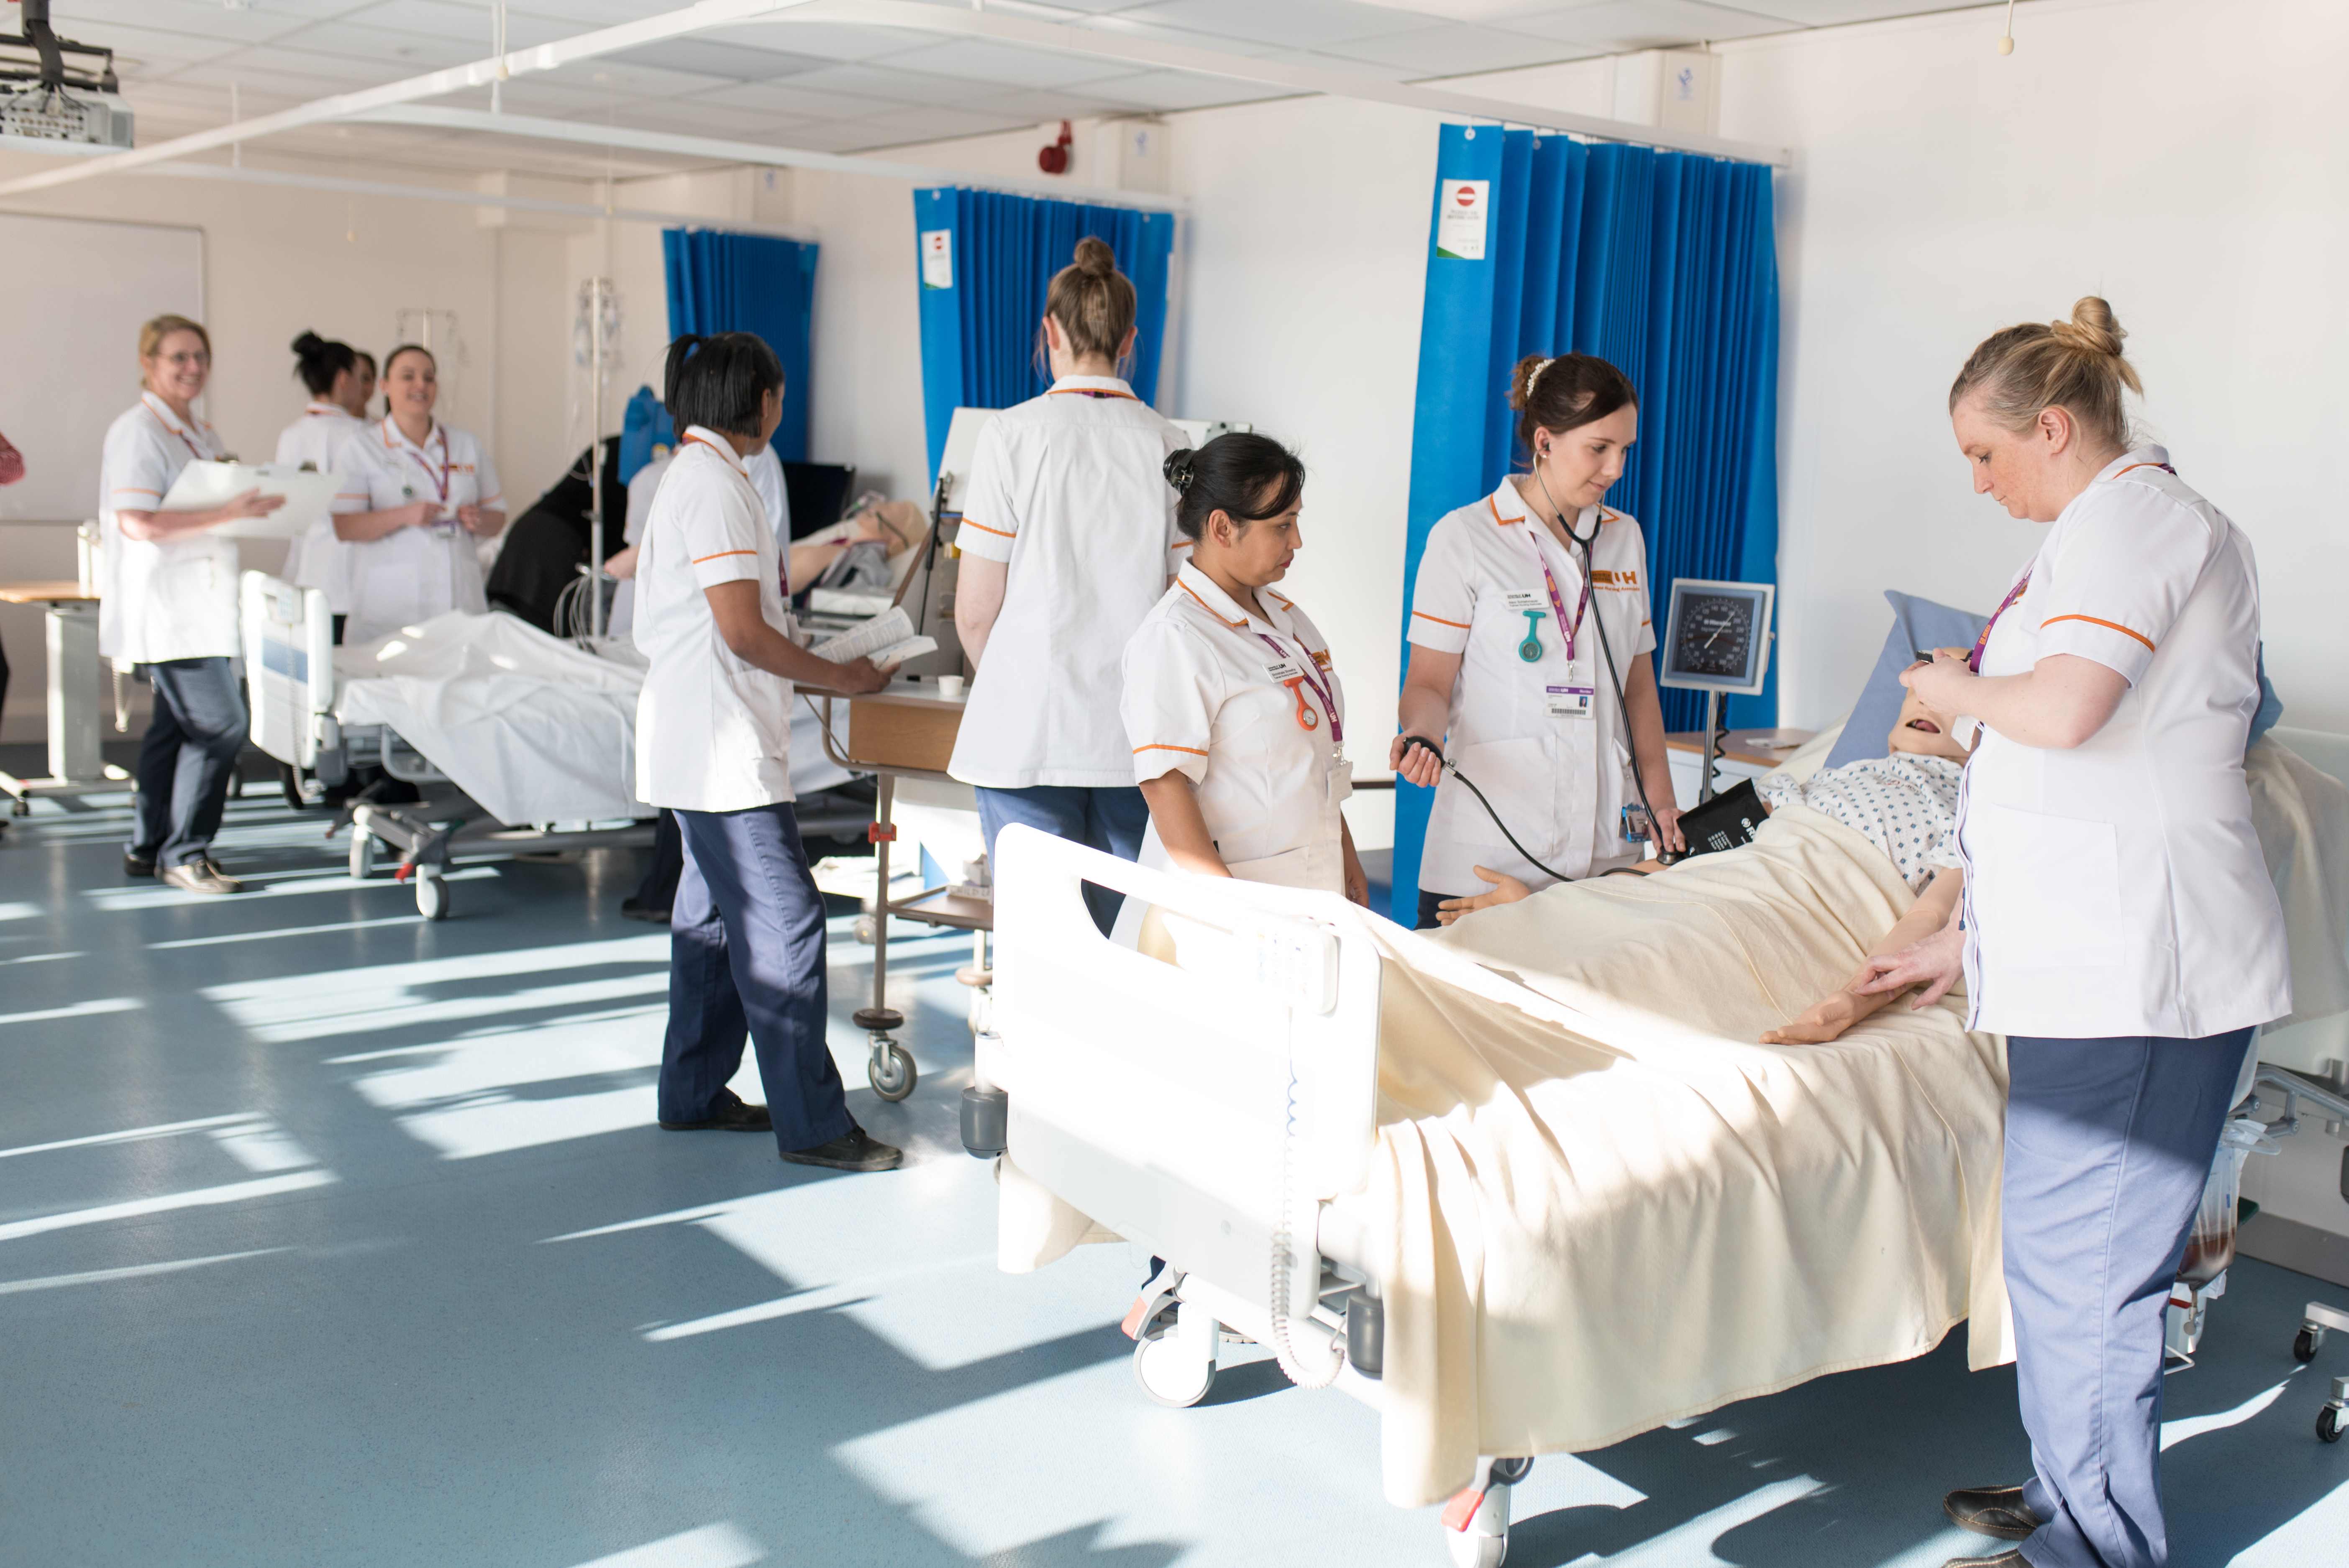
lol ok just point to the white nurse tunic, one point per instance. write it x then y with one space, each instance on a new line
159 598
415 574
317 559
1544 737
2117 888
1070 489
1249 709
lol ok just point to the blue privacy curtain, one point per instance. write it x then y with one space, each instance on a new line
1664 264
986 262
749 283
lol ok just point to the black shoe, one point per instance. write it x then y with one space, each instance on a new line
852 1150
632 911
136 866
733 1116
2010 1558
1995 1511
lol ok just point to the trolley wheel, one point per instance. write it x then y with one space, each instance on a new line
19 806
1476 1551
891 1071
1171 1370
289 784
2305 1344
2328 1425
432 898
362 854
868 931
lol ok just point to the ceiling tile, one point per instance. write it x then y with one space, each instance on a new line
1169 90
690 117
1315 61
1293 24
1456 50
627 81
1041 106
790 99
917 124
1008 65
1624 25
878 81
85 20
827 40
1829 13
729 61
412 52
142 50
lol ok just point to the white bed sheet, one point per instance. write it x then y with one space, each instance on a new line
532 727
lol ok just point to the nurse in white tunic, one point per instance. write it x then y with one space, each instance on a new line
1528 616
2118 925
432 492
1067 540
1232 704
340 380
166 604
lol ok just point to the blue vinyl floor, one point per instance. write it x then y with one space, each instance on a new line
329 1236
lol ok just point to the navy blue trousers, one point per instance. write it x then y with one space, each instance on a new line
746 954
1111 819
187 758
2108 1145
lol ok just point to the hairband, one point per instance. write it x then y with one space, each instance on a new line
1537 374
1179 472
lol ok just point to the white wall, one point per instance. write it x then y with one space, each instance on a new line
277 261
2185 160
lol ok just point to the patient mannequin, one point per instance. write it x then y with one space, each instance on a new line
1905 801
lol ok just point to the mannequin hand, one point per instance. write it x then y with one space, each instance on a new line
1936 963
1823 1020
1417 764
1505 891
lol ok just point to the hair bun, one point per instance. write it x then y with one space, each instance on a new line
1181 467
2093 328
1093 255
309 343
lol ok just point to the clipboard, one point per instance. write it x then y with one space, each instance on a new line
203 485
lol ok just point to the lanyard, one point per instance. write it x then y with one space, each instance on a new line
1307 719
1557 605
440 480
1973 660
199 452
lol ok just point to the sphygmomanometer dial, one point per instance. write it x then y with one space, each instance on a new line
1716 635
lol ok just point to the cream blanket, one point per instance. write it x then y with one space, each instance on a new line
1596 1206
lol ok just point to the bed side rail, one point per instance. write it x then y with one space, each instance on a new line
289 665
1157 1099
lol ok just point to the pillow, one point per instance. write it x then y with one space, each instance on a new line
1916 624
2270 705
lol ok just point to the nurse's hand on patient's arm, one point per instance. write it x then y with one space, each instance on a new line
734 607
1506 889
154 526
1933 913
1175 811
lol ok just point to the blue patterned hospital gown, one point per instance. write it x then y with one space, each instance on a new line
1905 804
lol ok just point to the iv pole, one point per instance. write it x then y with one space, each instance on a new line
595 298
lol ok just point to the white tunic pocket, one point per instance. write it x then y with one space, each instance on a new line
1516 777
2051 890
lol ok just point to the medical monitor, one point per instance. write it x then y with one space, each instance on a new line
1717 637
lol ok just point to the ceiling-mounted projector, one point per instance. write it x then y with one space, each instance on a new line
46 99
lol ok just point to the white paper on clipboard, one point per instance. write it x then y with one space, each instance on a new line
203 485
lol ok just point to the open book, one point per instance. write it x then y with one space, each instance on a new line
887 640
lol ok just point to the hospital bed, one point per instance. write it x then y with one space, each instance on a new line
522 743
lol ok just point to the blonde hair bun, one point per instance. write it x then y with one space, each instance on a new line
2077 365
1095 257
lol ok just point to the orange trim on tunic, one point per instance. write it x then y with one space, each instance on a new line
985 529
1440 621
722 555
2108 624
1204 605
1090 392
1166 746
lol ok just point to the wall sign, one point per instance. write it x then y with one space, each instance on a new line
1460 211
937 258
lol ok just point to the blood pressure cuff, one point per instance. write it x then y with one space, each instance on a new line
1729 819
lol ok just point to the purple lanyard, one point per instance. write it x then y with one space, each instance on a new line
1973 660
1557 605
1304 721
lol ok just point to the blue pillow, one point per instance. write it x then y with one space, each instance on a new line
2270 705
1916 624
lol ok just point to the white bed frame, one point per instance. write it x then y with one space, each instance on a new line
1239 1099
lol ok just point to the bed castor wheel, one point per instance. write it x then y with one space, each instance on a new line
1176 1366
431 895
362 854
891 1071
2306 1344
1476 1521
866 931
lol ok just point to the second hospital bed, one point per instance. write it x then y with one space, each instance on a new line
522 742
1527 1186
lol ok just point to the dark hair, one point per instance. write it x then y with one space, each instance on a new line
318 360
358 354
393 357
1558 394
716 381
1245 476
1092 301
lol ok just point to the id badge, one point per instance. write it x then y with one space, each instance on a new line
1284 672
1569 701
1519 603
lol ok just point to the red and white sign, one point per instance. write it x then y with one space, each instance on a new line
1460 213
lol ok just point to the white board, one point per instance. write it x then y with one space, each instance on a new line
78 293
